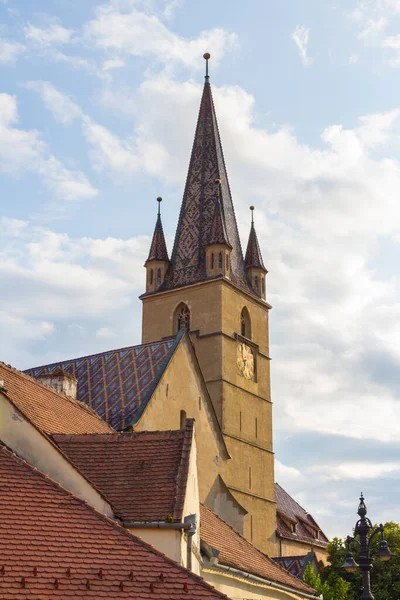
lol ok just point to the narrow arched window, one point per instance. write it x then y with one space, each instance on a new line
220 260
245 323
227 262
256 283
182 318
263 285
212 260
151 276
158 276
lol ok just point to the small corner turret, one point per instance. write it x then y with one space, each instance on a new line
255 268
218 248
157 262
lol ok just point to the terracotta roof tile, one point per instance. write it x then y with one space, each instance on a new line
143 475
54 546
238 553
117 384
288 509
48 410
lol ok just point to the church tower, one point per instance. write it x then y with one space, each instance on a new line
208 288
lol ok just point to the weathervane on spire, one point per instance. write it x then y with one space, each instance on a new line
207 57
159 200
252 214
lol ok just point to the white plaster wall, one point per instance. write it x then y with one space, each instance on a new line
27 441
167 541
239 589
192 506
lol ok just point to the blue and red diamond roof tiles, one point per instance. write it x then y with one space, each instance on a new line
117 384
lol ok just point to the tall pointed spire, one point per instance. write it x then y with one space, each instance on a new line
158 248
253 253
207 164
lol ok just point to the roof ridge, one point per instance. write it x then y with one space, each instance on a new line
57 362
73 401
262 554
103 517
291 497
78 437
183 469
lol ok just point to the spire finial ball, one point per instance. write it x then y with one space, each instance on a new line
207 56
252 207
159 199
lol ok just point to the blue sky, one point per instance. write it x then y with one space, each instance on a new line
98 104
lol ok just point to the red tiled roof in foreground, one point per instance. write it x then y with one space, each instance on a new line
238 553
48 410
54 546
143 475
288 510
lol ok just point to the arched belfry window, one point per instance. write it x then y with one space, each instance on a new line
151 276
263 286
256 283
158 276
245 323
220 260
182 317
212 260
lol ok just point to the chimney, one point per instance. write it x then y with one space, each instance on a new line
60 381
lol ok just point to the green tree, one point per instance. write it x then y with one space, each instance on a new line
385 576
337 591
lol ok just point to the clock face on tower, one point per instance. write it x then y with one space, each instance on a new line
245 360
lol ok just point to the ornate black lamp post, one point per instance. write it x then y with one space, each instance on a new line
363 531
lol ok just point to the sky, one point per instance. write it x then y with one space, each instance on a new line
98 105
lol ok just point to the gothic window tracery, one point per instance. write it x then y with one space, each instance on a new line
182 317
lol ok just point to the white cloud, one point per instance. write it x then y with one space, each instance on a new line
113 63
140 34
64 109
372 28
300 36
105 332
49 36
358 470
10 51
22 151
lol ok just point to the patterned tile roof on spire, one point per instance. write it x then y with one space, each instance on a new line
218 233
117 384
236 552
56 546
198 206
253 252
143 475
158 248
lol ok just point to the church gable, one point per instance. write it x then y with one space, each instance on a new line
117 384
